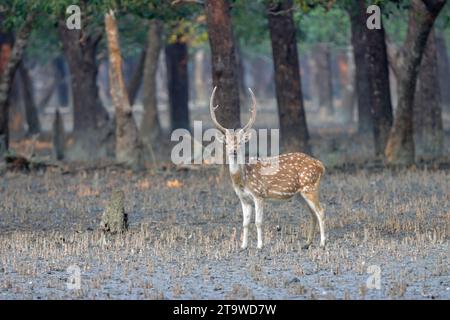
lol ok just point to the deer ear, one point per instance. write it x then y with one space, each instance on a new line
220 137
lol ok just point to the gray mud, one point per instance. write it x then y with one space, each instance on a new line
184 240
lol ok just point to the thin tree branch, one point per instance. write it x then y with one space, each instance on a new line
178 2
274 12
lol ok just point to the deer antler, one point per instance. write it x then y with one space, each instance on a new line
212 110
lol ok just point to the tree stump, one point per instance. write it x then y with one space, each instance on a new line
58 136
114 218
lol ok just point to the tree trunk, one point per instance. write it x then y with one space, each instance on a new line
428 131
6 80
199 74
178 83
31 112
58 136
136 78
359 31
443 70
6 43
90 119
16 117
323 81
262 74
313 89
62 89
241 73
305 75
293 129
378 66
224 66
347 74
150 127
129 149
400 146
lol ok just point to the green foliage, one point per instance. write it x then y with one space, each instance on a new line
322 25
442 23
395 22
316 21
155 9
250 26
192 32
133 35
43 46
46 12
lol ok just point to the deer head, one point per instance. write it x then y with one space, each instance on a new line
233 139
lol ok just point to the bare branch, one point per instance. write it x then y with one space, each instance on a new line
179 2
274 12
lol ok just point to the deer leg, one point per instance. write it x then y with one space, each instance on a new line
312 199
259 217
247 212
312 228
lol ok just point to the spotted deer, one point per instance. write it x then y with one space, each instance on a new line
275 178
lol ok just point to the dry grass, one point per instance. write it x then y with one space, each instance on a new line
184 238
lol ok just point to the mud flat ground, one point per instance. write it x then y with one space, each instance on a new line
185 230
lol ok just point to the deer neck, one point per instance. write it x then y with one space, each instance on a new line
236 167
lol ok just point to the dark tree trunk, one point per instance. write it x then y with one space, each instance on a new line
241 73
199 77
62 89
443 70
15 114
359 38
136 78
346 68
150 127
322 80
31 112
129 149
313 90
336 88
47 95
262 73
6 80
178 83
90 119
224 66
293 129
400 146
58 136
305 75
17 118
6 43
378 66
428 131
80 55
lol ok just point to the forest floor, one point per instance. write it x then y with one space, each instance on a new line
185 230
